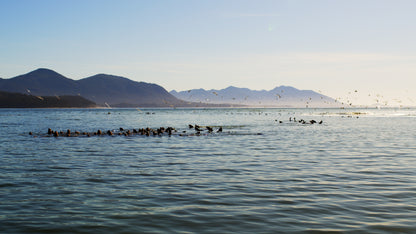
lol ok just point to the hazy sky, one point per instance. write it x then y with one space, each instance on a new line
335 47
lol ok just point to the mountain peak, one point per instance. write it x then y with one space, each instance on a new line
106 76
42 74
233 88
41 81
44 71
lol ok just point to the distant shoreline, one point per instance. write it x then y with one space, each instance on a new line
201 108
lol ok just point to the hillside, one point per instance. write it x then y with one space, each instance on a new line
18 100
105 90
282 96
120 91
40 82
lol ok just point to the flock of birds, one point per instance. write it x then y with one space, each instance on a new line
347 101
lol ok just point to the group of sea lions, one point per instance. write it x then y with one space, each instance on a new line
302 121
127 132
198 130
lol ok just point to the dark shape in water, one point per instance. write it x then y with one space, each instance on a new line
198 128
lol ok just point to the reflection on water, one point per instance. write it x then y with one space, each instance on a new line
347 174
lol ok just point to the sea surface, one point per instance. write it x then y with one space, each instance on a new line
354 173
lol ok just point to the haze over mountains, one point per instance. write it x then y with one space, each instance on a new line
282 96
117 91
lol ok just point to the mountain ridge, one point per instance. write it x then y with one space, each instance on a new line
117 91
34 82
280 96
103 89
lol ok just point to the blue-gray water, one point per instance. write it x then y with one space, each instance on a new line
348 174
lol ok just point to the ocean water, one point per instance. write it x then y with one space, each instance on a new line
355 172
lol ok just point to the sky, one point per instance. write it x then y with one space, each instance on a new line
363 51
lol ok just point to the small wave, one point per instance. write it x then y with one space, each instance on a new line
39 170
7 185
59 168
225 170
235 126
96 180
356 113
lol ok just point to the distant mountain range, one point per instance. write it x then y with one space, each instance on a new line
104 90
116 91
282 96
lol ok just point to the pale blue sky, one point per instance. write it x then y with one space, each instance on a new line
331 46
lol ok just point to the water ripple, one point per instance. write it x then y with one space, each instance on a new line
347 175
